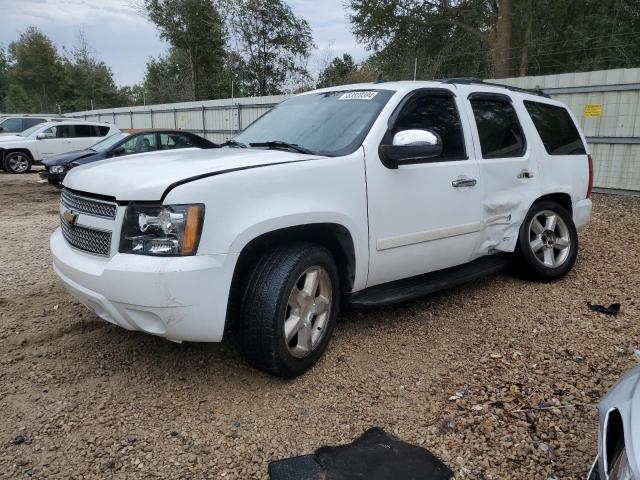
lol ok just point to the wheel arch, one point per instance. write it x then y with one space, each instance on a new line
562 198
333 236
26 151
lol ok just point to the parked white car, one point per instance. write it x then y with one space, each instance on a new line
361 195
19 152
12 124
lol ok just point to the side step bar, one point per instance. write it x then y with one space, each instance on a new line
421 285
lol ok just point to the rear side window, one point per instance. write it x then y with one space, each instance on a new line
556 128
439 114
12 125
30 122
501 135
84 131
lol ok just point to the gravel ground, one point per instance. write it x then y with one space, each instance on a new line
454 372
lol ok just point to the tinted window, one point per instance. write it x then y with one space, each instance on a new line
103 131
556 128
169 141
65 131
439 114
85 131
500 132
12 125
140 143
30 122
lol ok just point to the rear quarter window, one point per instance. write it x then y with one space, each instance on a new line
102 130
556 129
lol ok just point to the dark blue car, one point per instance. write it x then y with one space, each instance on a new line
120 144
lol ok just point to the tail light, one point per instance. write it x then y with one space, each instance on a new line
590 187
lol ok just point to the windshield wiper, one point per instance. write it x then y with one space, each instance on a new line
233 143
278 144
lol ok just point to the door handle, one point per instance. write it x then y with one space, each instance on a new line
525 174
464 182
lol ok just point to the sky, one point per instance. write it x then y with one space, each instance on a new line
124 40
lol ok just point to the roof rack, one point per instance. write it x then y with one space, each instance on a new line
478 81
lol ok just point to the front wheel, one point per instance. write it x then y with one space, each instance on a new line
17 162
548 242
290 309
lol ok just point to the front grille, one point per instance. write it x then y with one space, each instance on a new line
90 240
89 206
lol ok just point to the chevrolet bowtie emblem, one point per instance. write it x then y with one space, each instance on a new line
69 217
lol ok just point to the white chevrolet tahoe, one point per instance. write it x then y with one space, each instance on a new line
20 151
358 196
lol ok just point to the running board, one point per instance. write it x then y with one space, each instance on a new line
421 285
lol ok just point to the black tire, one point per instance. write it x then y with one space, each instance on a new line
24 157
266 305
530 264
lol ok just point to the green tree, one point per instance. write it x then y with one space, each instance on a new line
35 66
273 43
497 38
337 72
87 82
195 29
4 81
168 79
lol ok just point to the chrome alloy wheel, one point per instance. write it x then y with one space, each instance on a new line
18 163
549 239
308 311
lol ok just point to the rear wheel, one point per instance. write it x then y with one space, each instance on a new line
17 162
548 242
290 309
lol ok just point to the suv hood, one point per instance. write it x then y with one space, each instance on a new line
11 138
145 177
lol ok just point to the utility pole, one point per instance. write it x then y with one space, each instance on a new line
415 69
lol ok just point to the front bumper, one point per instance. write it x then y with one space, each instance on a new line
52 177
179 298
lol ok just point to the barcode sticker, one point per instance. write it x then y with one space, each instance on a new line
358 95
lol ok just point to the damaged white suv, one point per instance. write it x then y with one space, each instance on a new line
359 195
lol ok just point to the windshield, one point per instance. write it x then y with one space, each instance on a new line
329 123
107 143
29 131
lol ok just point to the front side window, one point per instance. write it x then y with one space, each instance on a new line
140 144
439 114
12 125
501 135
330 123
556 128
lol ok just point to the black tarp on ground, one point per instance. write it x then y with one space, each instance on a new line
374 456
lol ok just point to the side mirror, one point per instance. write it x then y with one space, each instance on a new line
411 146
118 151
1 129
41 136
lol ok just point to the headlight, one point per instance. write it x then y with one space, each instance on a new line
171 230
57 169
621 470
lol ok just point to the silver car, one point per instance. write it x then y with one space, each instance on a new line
619 434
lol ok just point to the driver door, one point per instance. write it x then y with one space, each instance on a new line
58 139
424 216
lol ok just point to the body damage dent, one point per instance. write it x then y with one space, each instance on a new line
503 213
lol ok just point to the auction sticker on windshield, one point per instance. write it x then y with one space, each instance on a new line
358 95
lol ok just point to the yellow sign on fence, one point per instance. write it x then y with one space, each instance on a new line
593 110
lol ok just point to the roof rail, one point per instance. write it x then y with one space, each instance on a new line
479 81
